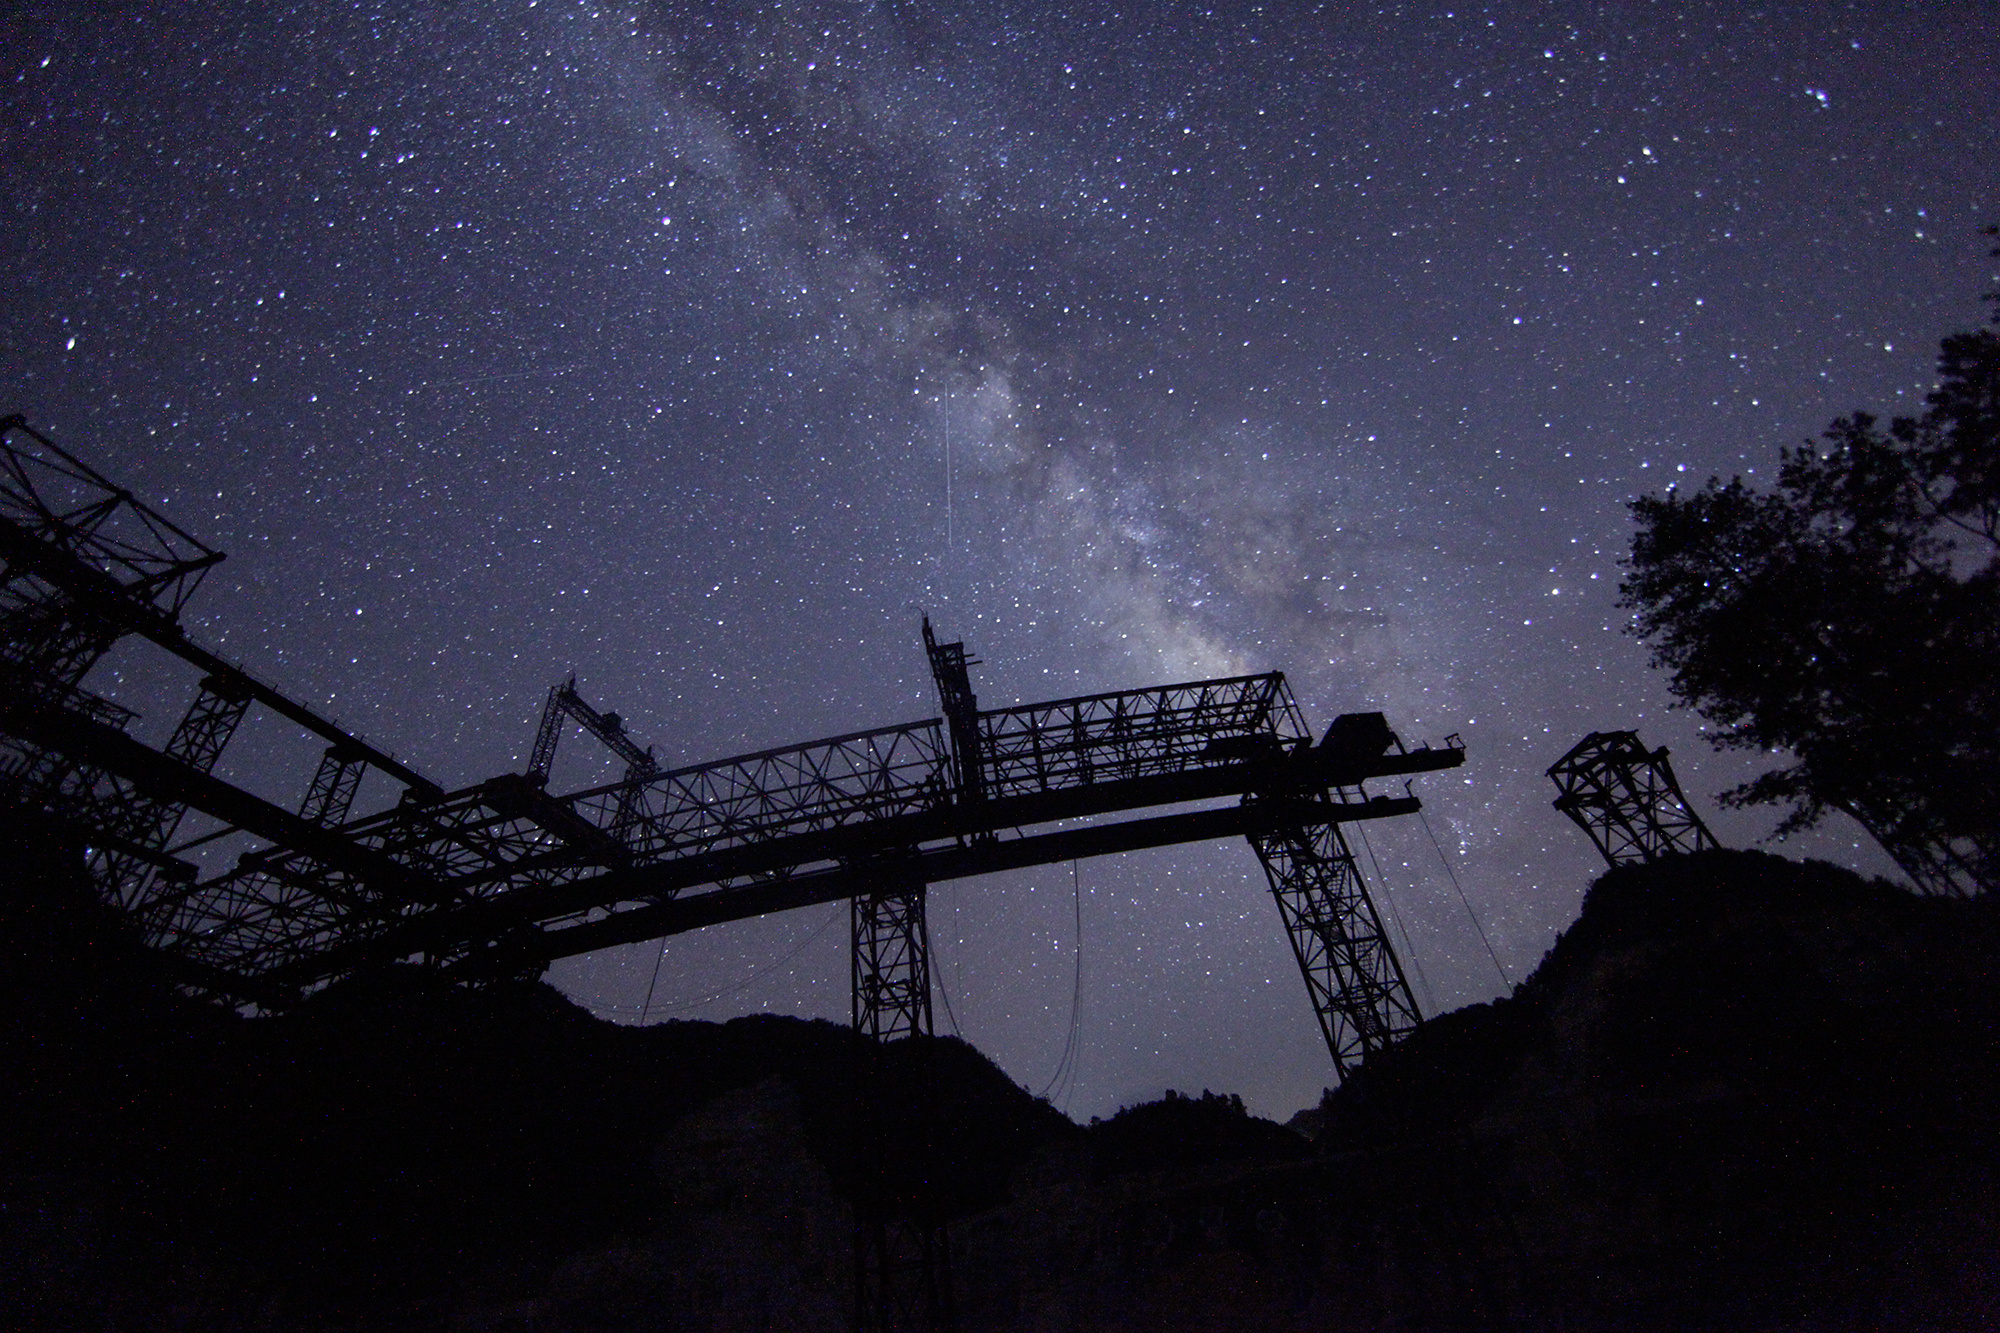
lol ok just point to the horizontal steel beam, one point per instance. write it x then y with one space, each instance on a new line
957 840
504 918
939 865
784 856
109 599
173 781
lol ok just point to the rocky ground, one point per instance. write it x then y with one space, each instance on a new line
1739 1093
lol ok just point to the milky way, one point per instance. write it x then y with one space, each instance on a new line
698 349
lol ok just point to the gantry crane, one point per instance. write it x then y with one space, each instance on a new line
503 877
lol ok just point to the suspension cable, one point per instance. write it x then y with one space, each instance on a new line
1066 1066
745 984
646 1008
1396 917
937 970
1471 915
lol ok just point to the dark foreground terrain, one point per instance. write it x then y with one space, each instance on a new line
1739 1093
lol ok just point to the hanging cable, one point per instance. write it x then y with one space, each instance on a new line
1074 1042
1473 916
646 1008
1396 918
684 1005
1059 1083
937 970
1066 1066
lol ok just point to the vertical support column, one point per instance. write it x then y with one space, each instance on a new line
209 723
902 1271
1356 982
630 810
902 1254
951 670
148 822
331 794
892 972
554 714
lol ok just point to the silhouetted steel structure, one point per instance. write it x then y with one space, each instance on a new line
83 564
502 877
1626 798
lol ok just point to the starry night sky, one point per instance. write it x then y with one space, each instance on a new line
697 348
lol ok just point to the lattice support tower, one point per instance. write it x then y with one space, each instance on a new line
330 795
951 670
892 974
1352 975
902 1244
1626 798
902 1275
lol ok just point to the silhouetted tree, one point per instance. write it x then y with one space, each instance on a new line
1850 616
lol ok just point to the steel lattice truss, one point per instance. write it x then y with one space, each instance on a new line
1627 799
49 499
778 828
892 974
1357 984
502 877
1043 748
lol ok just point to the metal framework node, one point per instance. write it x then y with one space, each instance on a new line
1625 797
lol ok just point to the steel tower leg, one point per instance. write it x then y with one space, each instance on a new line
902 1273
1353 976
892 972
148 822
902 1255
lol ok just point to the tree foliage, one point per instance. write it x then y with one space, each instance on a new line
1849 617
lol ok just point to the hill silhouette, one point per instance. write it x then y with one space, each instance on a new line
1739 1092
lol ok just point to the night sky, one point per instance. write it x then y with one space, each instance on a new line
698 348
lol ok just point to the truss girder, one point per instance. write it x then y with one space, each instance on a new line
1353 976
48 636
1626 798
758 798
50 500
1068 743
776 827
85 563
442 876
